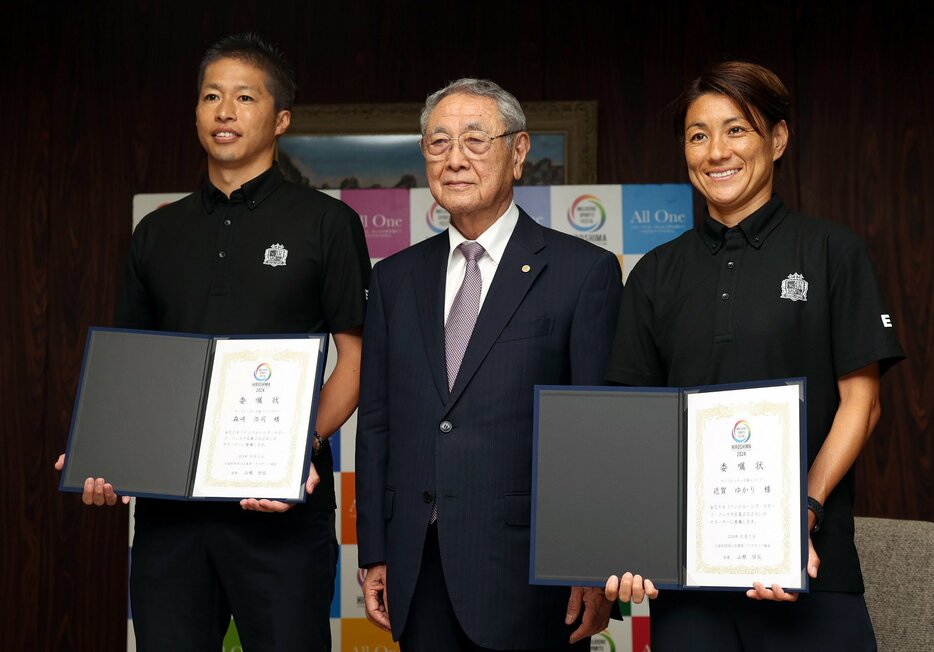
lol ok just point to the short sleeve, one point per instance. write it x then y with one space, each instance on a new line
634 358
346 269
135 307
863 330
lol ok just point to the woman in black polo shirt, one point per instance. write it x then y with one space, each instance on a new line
758 292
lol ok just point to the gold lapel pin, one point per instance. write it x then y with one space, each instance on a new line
526 268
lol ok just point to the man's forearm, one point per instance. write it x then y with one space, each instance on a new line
342 390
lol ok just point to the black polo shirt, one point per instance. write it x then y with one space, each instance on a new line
779 295
275 257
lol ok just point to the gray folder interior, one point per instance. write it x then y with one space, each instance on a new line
137 412
608 486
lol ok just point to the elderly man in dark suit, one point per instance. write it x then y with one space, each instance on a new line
459 329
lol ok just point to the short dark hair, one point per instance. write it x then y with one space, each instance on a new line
756 90
280 77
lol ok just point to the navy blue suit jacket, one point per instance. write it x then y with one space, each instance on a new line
472 447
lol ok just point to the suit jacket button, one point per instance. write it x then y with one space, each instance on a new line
446 426
427 497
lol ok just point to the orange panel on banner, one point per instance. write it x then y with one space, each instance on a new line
360 635
348 508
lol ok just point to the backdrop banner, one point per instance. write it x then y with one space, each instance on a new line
628 220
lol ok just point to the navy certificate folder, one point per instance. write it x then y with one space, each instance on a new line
140 408
609 484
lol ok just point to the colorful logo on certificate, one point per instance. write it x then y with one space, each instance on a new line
437 218
741 432
263 372
587 214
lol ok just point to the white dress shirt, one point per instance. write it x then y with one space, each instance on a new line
493 241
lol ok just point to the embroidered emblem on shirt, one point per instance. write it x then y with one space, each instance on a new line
276 255
795 288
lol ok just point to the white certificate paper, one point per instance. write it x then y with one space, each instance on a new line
744 488
256 424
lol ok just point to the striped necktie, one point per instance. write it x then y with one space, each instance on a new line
460 323
464 311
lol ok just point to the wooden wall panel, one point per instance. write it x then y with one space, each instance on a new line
100 106
26 491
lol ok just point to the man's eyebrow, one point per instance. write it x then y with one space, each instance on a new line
470 126
239 87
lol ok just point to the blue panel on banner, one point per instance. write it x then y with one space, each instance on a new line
336 601
335 441
654 214
536 201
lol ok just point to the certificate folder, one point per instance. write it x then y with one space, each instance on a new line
195 417
689 487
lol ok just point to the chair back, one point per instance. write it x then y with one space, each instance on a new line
897 557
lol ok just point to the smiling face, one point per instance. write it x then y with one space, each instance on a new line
728 162
475 190
237 121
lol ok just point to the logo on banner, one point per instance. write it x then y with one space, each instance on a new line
263 372
741 432
438 219
385 216
655 214
660 216
602 643
587 215
385 234
795 288
380 221
276 255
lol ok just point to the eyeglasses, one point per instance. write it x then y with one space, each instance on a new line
473 144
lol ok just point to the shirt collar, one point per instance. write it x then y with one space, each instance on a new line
756 227
494 239
252 193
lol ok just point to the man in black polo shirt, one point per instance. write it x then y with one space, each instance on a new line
249 253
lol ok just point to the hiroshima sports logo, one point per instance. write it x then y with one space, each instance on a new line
741 432
587 214
602 642
263 372
437 218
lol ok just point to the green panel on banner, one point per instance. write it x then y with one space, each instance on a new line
232 639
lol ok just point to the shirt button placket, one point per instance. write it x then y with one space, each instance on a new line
223 244
732 251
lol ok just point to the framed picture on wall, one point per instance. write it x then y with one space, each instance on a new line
376 145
